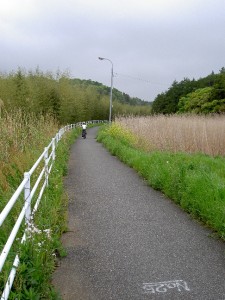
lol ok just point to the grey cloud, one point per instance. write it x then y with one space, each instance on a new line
157 44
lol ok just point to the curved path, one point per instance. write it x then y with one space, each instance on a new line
129 242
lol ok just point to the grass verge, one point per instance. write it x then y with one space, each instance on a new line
194 181
38 256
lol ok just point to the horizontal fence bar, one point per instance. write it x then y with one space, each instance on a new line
39 198
12 237
12 274
37 162
37 183
12 201
11 278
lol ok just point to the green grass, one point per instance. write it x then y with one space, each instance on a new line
39 255
194 181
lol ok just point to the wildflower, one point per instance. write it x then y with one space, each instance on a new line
47 232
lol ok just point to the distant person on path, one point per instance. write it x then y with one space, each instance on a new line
84 127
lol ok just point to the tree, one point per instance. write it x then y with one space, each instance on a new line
20 97
197 101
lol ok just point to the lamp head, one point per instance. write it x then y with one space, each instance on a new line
101 58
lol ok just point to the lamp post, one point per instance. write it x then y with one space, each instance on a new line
110 101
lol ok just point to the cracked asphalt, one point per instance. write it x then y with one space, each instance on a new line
127 241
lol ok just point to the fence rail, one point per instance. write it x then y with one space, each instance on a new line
47 158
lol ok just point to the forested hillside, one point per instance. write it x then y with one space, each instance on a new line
68 100
205 95
104 90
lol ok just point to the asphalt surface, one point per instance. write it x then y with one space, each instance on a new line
127 241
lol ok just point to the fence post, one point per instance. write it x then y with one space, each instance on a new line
53 148
46 165
27 198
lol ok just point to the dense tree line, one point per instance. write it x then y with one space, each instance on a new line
68 100
205 95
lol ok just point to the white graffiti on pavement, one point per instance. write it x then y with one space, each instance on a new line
165 286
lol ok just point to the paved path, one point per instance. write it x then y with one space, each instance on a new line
123 235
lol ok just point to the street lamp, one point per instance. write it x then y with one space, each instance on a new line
110 101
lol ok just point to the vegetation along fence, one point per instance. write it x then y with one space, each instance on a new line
43 166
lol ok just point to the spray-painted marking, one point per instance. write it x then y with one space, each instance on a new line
165 286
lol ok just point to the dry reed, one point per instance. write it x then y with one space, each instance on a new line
178 133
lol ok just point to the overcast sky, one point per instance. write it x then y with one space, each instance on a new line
150 42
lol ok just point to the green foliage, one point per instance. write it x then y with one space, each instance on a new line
68 100
167 102
195 182
195 101
205 95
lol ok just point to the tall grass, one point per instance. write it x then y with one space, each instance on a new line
22 139
178 133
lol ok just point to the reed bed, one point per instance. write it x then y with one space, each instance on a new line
178 133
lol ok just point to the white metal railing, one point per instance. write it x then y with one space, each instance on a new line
48 156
